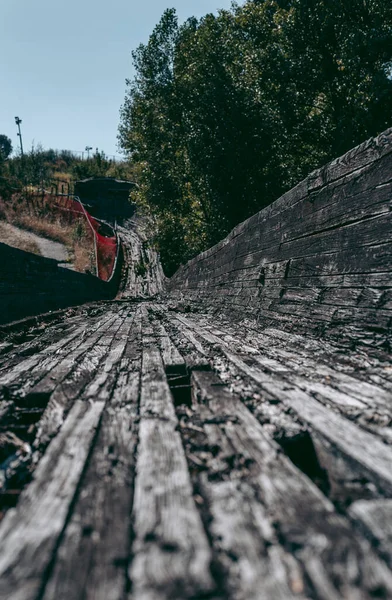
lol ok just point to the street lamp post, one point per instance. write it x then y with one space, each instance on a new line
87 149
18 122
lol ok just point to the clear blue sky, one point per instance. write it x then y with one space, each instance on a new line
63 65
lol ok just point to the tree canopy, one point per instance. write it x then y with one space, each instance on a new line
226 113
5 147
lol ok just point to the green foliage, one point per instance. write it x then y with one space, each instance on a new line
39 166
5 148
226 113
140 269
96 166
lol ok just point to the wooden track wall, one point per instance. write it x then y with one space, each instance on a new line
31 284
317 260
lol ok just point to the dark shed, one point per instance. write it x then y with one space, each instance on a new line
107 197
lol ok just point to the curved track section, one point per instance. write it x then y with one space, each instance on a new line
143 275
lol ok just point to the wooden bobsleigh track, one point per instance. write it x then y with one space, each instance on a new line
187 444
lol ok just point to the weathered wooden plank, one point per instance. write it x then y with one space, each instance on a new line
358 364
305 237
357 197
32 361
313 315
340 204
357 158
171 554
256 566
244 540
312 375
375 519
274 277
30 533
338 562
102 385
171 357
366 232
50 355
48 379
98 533
37 338
265 243
65 394
144 275
358 297
371 456
110 348
191 349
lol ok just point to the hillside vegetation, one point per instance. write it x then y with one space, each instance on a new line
36 213
226 113
40 167
27 185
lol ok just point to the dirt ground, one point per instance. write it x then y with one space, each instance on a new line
29 242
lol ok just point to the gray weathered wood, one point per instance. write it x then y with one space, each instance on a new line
274 479
370 403
372 457
106 348
171 357
98 533
51 355
243 536
375 519
278 265
30 533
171 554
338 561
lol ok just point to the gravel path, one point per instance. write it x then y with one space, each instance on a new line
25 240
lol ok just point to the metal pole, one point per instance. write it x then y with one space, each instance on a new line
18 122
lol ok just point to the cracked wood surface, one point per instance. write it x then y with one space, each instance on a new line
182 456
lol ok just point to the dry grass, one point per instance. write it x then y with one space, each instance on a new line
12 237
51 230
84 259
62 176
38 216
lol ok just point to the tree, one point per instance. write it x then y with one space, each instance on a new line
5 147
226 113
341 59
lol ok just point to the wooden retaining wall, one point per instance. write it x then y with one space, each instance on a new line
30 285
317 260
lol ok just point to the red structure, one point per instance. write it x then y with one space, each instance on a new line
105 239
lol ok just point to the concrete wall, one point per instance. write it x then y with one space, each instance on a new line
30 285
317 260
